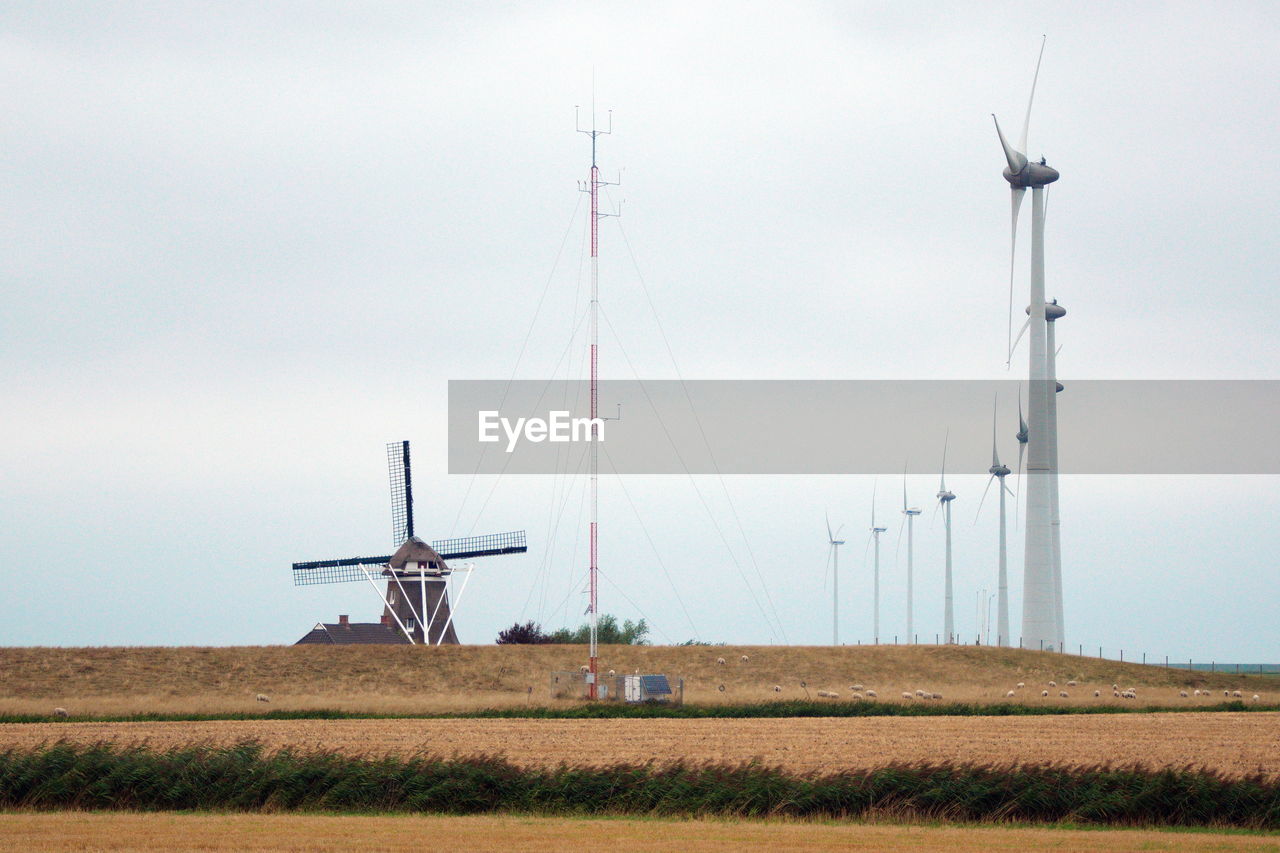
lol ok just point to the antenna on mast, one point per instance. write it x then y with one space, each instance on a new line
592 186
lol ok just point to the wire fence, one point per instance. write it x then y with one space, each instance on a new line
1091 651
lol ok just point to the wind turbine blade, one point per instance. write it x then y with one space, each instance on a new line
942 482
830 538
1017 194
1017 160
1026 122
984 499
995 455
875 484
1057 351
1025 325
898 546
904 488
1009 490
838 529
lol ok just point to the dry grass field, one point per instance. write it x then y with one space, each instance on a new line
254 832
1237 744
409 679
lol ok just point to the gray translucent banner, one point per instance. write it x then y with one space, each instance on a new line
859 427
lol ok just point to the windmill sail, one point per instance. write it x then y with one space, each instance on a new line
353 568
401 491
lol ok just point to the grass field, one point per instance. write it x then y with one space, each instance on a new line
1235 744
254 832
412 679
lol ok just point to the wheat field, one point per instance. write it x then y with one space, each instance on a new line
66 831
414 679
1237 744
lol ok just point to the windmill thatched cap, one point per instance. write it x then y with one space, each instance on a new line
414 550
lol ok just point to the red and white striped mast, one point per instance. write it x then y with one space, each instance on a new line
593 186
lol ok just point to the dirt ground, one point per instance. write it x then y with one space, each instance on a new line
1236 743
254 832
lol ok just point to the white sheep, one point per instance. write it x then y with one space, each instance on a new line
612 673
1021 684
1044 694
906 695
584 668
62 712
1010 694
263 698
1197 691
827 694
1182 693
1115 694
856 687
745 658
1071 684
1236 693
1255 697
1129 694
1097 693
1053 684
871 694
1115 687
777 688
920 693
936 696
855 695
719 661
1226 694
1062 694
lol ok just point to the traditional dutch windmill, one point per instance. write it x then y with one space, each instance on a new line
417 597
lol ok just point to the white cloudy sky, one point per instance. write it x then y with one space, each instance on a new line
247 244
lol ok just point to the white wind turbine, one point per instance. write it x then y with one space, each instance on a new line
834 550
998 472
1039 610
875 537
909 517
945 498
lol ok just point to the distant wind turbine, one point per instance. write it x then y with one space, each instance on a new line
875 536
909 515
945 498
834 544
999 472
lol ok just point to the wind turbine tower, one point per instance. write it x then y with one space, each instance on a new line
1054 312
1039 609
834 545
945 498
909 514
875 536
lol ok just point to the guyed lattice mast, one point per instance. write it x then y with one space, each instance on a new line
593 186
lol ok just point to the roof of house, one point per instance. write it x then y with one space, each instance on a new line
416 551
354 634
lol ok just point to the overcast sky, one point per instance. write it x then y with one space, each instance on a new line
245 245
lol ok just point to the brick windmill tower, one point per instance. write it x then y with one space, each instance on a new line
417 575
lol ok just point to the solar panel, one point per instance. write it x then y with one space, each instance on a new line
655 685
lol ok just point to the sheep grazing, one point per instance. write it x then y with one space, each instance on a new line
263 698
856 687
1044 694
1129 694
1021 684
827 694
906 695
1255 697
1236 693
1226 694
855 695
1010 694
719 661
1197 691
584 668
62 712
1071 684
1115 694
1182 693
744 658
777 688
1053 684
1097 693
1062 694
1115 687
920 693
612 673
936 696
871 694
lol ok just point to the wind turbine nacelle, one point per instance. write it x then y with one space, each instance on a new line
1052 311
999 470
946 496
1031 175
